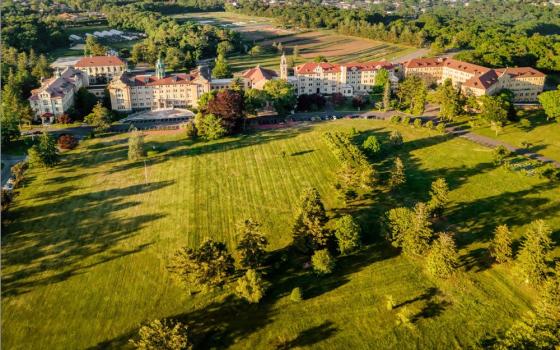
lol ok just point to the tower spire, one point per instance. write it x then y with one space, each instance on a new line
283 67
160 68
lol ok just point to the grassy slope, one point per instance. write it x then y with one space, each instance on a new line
85 260
543 135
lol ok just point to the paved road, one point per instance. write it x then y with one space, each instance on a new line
415 54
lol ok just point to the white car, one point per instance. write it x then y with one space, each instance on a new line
9 186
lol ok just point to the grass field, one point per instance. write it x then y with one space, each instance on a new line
543 135
84 258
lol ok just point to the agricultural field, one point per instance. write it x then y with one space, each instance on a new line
335 47
87 244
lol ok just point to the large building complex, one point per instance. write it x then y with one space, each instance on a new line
525 82
56 94
100 71
348 79
130 92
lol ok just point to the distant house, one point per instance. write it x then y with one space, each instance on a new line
255 78
56 94
525 82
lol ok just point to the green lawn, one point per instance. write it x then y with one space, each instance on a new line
84 258
543 135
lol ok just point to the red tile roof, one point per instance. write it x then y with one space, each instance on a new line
99 61
524 72
258 74
483 81
152 80
309 68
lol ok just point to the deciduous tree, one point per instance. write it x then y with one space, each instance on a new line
99 118
250 287
309 230
322 262
532 255
135 146
550 100
162 335
347 233
442 259
281 94
229 106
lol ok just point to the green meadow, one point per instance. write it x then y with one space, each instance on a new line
86 245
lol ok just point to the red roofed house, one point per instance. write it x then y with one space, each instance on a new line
56 94
525 82
255 78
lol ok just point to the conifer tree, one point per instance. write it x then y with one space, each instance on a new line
222 68
387 96
251 248
135 146
396 138
308 230
45 153
397 174
500 248
347 233
439 196
417 238
532 255
442 258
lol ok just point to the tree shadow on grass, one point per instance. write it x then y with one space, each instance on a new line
308 337
51 242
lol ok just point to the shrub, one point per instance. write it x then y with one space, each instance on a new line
429 124
296 295
395 119
166 335
525 123
405 121
337 99
322 262
441 127
67 141
64 119
190 130
250 287
372 145
499 154
417 123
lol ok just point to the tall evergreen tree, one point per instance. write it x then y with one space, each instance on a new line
417 238
347 233
397 174
309 230
135 146
442 259
500 248
532 255
387 96
439 196
252 244
221 68
99 118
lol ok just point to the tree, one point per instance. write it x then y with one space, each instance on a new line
85 102
135 146
439 196
207 266
295 52
442 259
209 126
399 222
308 229
41 68
397 174
166 335
396 138
282 95
224 48
322 262
338 99
99 118
415 240
295 295
254 100
256 50
500 248
493 109
228 105
371 145
221 68
252 244
532 255
44 154
412 94
347 233
449 99
93 47
320 59
387 96
382 77
174 58
550 100
205 98
250 287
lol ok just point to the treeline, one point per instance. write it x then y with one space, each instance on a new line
494 33
181 44
361 23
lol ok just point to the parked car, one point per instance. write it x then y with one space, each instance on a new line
9 186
